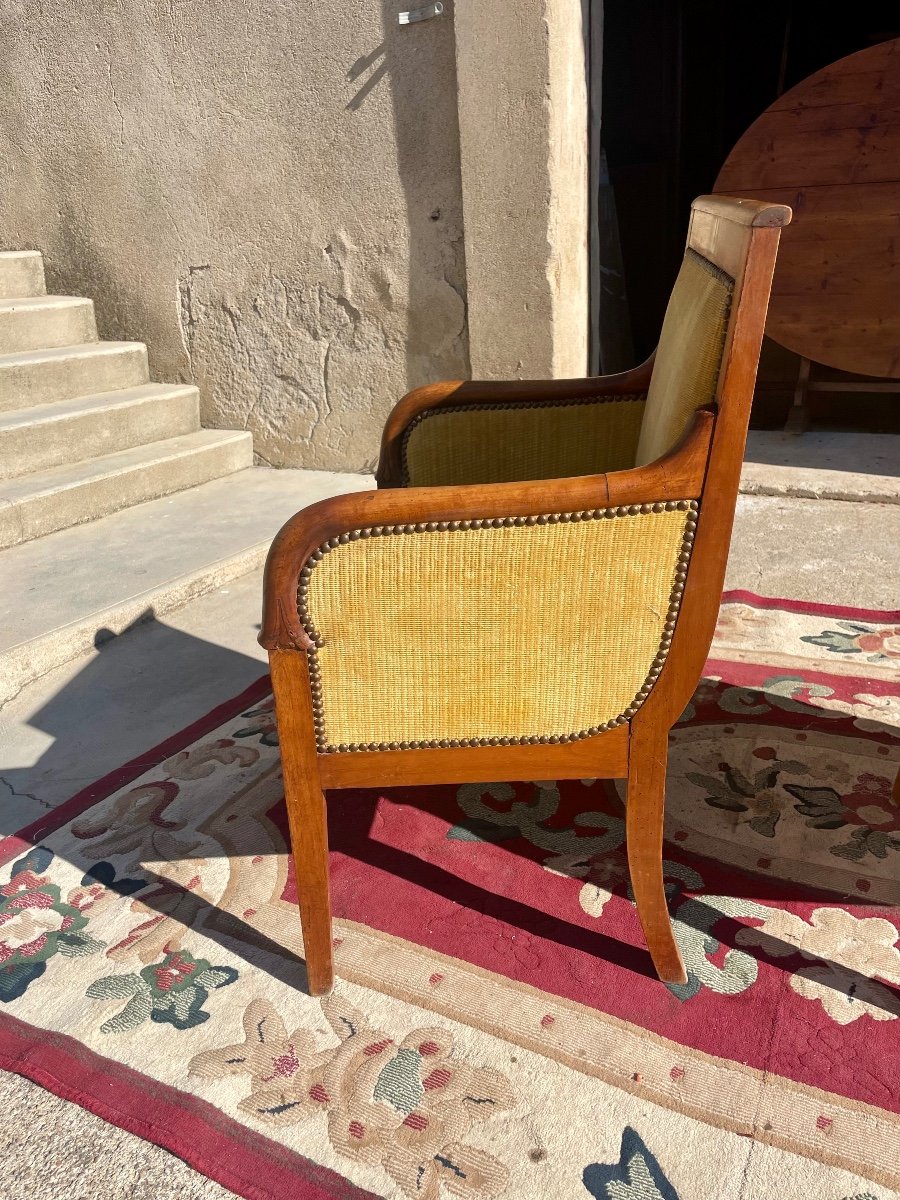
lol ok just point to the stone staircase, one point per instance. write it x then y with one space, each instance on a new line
114 503
83 432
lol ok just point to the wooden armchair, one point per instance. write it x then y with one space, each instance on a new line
461 625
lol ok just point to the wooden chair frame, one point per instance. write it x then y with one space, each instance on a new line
739 236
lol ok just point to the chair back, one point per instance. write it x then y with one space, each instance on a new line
704 310
708 355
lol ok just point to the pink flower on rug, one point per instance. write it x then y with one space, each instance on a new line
30 914
884 641
36 923
877 643
172 972
870 803
406 1107
287 1070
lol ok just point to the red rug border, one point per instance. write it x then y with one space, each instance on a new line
24 839
238 1158
810 607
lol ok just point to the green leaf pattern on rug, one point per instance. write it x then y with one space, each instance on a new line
636 1176
491 817
879 643
868 807
37 923
846 991
262 724
170 992
693 919
759 793
792 693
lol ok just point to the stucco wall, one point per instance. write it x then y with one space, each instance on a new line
268 195
271 197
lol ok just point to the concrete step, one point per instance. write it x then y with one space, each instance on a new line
35 439
22 273
823 465
34 377
41 503
41 322
62 594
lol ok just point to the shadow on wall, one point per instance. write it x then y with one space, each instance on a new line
77 263
418 63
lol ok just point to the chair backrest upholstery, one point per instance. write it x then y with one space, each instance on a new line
689 357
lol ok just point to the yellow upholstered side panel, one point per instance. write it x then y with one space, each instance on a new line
510 443
689 356
510 632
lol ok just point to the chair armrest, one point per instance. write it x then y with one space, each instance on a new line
442 617
678 475
492 408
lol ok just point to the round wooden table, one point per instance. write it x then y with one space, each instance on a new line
830 148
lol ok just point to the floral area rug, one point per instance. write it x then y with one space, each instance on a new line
496 1029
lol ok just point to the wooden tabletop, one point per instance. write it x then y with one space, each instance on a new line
830 148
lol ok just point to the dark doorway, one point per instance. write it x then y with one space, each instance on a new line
681 80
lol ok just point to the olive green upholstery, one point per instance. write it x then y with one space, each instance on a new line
505 443
689 355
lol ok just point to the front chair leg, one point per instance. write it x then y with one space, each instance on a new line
306 813
644 832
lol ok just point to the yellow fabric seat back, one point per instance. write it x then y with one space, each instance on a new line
503 628
502 443
689 356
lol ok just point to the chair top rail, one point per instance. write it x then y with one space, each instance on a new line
757 213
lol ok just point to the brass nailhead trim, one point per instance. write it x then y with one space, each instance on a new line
510 406
712 268
315 676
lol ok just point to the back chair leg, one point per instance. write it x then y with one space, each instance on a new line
306 813
644 831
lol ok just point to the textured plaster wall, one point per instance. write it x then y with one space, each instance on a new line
268 194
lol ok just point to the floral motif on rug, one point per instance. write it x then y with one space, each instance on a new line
497 1029
406 1107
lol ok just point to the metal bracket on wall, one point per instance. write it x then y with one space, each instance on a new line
420 14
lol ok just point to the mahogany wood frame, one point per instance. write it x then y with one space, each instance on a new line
739 236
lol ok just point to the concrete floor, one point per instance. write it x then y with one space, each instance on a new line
57 1150
80 721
